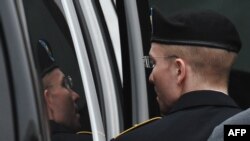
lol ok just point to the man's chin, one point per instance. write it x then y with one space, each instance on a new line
77 116
77 122
76 125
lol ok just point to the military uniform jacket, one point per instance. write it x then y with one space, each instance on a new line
62 133
192 118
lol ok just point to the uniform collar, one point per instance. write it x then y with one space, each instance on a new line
203 98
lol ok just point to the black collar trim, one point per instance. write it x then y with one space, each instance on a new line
203 98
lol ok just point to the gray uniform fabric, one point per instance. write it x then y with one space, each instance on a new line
239 119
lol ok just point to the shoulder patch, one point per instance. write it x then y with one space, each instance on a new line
137 126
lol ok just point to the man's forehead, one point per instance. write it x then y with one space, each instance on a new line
157 48
54 74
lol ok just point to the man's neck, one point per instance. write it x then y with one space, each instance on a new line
194 86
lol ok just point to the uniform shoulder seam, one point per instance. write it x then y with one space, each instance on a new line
137 126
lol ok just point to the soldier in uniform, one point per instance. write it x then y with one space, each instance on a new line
59 97
191 56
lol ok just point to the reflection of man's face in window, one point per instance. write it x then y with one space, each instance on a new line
61 100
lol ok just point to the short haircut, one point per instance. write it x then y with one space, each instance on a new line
207 63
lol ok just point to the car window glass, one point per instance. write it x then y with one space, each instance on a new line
46 21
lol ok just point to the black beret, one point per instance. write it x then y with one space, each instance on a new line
201 27
46 60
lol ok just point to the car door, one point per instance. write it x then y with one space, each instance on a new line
134 26
82 49
92 41
21 106
101 22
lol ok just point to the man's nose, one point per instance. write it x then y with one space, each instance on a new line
151 78
76 96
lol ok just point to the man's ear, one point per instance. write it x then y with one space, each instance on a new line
46 96
180 70
49 103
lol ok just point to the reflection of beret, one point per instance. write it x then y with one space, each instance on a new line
201 28
46 60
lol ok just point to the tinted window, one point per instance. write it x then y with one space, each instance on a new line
46 21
